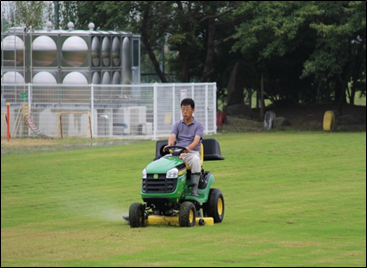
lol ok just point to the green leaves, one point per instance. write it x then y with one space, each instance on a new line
323 38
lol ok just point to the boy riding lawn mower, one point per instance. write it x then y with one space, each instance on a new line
166 190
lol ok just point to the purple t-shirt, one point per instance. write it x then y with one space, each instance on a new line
185 134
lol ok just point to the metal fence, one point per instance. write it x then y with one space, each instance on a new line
137 111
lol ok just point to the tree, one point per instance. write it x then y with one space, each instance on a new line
38 13
67 12
187 26
28 13
195 35
91 11
318 44
275 40
340 54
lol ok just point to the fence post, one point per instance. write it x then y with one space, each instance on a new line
92 110
155 111
173 103
30 96
8 119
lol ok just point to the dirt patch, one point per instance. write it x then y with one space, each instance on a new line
27 142
29 145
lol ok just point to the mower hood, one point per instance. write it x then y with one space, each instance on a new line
163 164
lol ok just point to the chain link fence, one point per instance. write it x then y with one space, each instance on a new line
136 111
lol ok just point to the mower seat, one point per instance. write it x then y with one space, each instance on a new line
212 150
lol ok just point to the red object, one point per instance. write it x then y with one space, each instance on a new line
221 118
8 119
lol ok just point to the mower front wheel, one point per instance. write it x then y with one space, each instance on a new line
187 215
136 215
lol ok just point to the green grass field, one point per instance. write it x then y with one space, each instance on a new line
291 199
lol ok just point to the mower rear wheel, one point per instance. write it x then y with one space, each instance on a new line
187 215
136 215
215 205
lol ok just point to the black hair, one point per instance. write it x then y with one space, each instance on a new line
188 101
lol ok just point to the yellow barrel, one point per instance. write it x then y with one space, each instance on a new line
329 121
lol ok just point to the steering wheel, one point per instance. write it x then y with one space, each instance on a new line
175 150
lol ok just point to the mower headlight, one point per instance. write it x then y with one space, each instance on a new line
144 173
172 173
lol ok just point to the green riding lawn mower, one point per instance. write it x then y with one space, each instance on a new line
166 190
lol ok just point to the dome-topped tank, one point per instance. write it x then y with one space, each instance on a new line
44 51
49 56
12 48
74 51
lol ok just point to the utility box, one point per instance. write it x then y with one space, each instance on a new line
145 129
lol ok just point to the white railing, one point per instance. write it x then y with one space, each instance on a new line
137 111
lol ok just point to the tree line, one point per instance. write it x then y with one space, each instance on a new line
298 51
